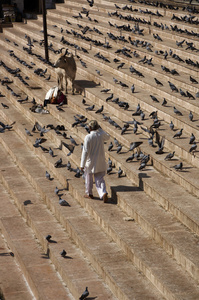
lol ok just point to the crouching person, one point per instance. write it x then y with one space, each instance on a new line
55 96
93 161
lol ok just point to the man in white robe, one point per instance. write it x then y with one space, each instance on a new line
93 161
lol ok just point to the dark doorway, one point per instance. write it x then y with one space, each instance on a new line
31 6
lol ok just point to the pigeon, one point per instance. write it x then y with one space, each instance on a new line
105 90
63 253
178 166
68 165
171 125
48 175
191 116
158 82
28 132
63 202
4 105
56 190
86 292
164 102
99 110
116 142
73 141
130 158
170 156
160 143
193 148
110 147
133 88
119 148
142 166
90 108
58 163
120 66
193 80
51 152
134 145
119 173
176 111
109 97
178 134
109 170
192 139
154 98
48 237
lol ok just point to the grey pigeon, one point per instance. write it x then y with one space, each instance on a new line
119 148
119 173
73 141
109 170
191 116
99 110
179 133
193 148
56 190
58 163
90 107
134 145
110 146
116 142
63 202
51 152
133 88
178 166
28 132
48 175
170 156
176 111
192 139
130 158
171 125
142 166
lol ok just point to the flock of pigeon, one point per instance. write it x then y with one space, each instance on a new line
120 13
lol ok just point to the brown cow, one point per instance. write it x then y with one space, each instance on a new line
66 65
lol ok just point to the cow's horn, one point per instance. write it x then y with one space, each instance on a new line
66 52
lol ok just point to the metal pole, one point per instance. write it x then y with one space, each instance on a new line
45 29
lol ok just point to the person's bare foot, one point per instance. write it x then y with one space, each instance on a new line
105 198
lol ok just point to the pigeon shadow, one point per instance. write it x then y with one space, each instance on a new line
91 298
52 241
68 257
5 254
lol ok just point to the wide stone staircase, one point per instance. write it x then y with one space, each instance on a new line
143 244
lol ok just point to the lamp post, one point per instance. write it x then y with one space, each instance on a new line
45 30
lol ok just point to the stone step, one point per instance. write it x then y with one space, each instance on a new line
41 280
74 187
76 222
10 269
42 222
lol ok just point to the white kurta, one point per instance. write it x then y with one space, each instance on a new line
93 156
